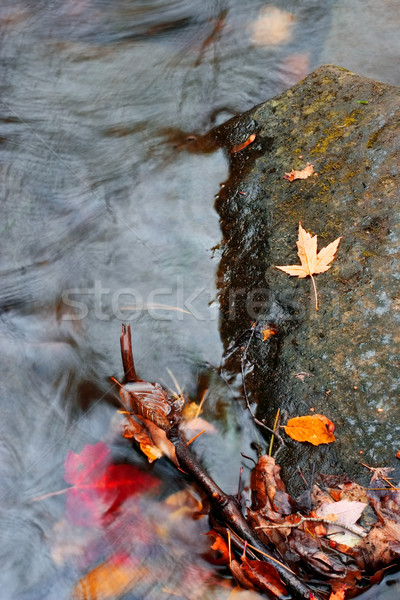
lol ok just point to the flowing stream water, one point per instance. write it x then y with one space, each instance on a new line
108 218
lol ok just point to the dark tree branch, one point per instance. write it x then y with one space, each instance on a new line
226 510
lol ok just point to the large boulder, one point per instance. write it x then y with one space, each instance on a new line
342 360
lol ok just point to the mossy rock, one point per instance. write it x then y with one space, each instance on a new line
342 361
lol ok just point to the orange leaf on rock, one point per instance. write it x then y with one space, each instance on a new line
267 332
303 174
311 262
244 144
311 428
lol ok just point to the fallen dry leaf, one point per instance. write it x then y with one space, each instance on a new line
267 332
311 428
244 144
347 513
303 174
153 440
263 576
311 262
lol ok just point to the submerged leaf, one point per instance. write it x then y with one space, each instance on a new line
107 581
98 485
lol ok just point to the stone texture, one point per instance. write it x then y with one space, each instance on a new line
349 349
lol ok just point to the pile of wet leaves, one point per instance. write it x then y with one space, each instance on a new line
337 536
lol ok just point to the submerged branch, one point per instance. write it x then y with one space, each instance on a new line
225 509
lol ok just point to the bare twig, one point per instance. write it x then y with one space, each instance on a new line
323 520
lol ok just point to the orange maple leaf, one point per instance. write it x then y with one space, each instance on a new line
315 429
339 595
303 174
267 332
311 262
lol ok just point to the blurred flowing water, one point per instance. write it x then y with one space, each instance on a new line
106 217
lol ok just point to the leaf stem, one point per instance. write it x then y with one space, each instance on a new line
315 292
273 435
50 494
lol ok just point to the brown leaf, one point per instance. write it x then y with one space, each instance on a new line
263 576
303 174
153 440
310 550
311 262
268 489
392 530
311 428
374 550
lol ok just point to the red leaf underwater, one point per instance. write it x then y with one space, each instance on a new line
99 486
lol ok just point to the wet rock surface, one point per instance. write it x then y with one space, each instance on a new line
342 361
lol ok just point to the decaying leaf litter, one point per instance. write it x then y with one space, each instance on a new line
334 541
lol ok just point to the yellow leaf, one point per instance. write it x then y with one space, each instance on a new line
311 262
315 429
